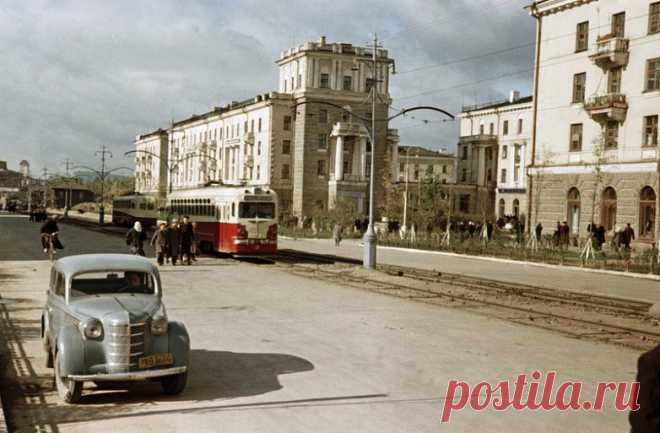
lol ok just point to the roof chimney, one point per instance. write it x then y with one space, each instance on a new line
514 96
322 40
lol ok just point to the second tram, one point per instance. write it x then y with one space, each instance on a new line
128 209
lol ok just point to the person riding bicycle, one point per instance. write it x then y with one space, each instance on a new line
50 228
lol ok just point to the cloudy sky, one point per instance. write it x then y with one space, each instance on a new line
78 74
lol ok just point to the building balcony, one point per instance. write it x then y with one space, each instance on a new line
478 139
611 52
348 178
605 108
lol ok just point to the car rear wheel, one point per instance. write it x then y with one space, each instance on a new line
173 385
69 391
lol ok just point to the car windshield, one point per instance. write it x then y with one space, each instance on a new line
104 283
256 210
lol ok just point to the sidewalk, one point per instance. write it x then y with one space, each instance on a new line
608 283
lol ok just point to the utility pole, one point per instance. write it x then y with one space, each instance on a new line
370 239
405 195
68 165
103 152
45 176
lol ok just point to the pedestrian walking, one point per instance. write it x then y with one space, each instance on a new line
173 241
159 242
135 239
337 233
187 239
628 236
195 243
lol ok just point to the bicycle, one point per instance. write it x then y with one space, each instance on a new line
48 241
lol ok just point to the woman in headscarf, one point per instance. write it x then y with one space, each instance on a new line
135 239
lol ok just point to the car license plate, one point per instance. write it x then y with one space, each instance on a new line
155 360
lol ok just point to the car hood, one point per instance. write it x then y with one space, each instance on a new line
118 308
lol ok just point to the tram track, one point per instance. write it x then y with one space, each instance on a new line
574 314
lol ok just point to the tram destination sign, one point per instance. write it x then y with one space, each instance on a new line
260 197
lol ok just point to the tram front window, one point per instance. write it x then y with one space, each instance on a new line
256 210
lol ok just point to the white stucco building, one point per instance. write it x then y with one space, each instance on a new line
492 153
597 101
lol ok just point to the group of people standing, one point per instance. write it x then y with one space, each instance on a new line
176 242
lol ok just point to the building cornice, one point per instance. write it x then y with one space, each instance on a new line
548 7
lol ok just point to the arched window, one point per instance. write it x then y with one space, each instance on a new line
608 208
516 208
502 208
647 213
574 205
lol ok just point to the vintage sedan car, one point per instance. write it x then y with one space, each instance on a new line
104 320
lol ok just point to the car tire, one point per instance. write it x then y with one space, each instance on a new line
49 359
173 385
69 391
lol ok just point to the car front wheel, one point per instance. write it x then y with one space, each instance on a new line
69 391
173 385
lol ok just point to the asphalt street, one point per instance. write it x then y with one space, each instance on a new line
277 352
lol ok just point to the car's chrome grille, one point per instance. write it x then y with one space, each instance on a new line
126 345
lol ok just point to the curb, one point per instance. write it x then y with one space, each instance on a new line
508 261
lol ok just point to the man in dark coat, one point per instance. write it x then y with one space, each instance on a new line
173 240
187 239
647 418
628 236
159 242
599 235
50 228
135 239
538 231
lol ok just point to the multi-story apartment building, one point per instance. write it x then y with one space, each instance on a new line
596 105
151 168
420 163
492 157
308 141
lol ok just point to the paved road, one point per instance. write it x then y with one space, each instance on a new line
280 353
19 240
551 277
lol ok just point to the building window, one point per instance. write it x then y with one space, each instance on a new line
653 74
489 175
286 173
287 123
505 152
348 83
444 169
259 124
464 203
579 87
465 153
647 213
611 135
481 129
323 142
368 85
416 175
502 208
325 81
516 208
258 172
576 137
516 173
299 83
245 127
619 24
650 131
608 208
516 153
573 209
614 80
286 147
323 116
489 153
258 148
491 129
503 175
464 175
402 167
582 37
654 18
320 168
520 126
505 128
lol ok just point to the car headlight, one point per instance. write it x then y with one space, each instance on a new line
159 325
93 329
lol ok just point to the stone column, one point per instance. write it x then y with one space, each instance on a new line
339 158
363 158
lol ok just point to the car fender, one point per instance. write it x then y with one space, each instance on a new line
70 351
179 343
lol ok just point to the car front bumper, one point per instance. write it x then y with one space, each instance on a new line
129 376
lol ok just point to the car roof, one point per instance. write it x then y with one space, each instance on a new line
103 262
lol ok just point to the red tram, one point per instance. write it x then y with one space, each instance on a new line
240 220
